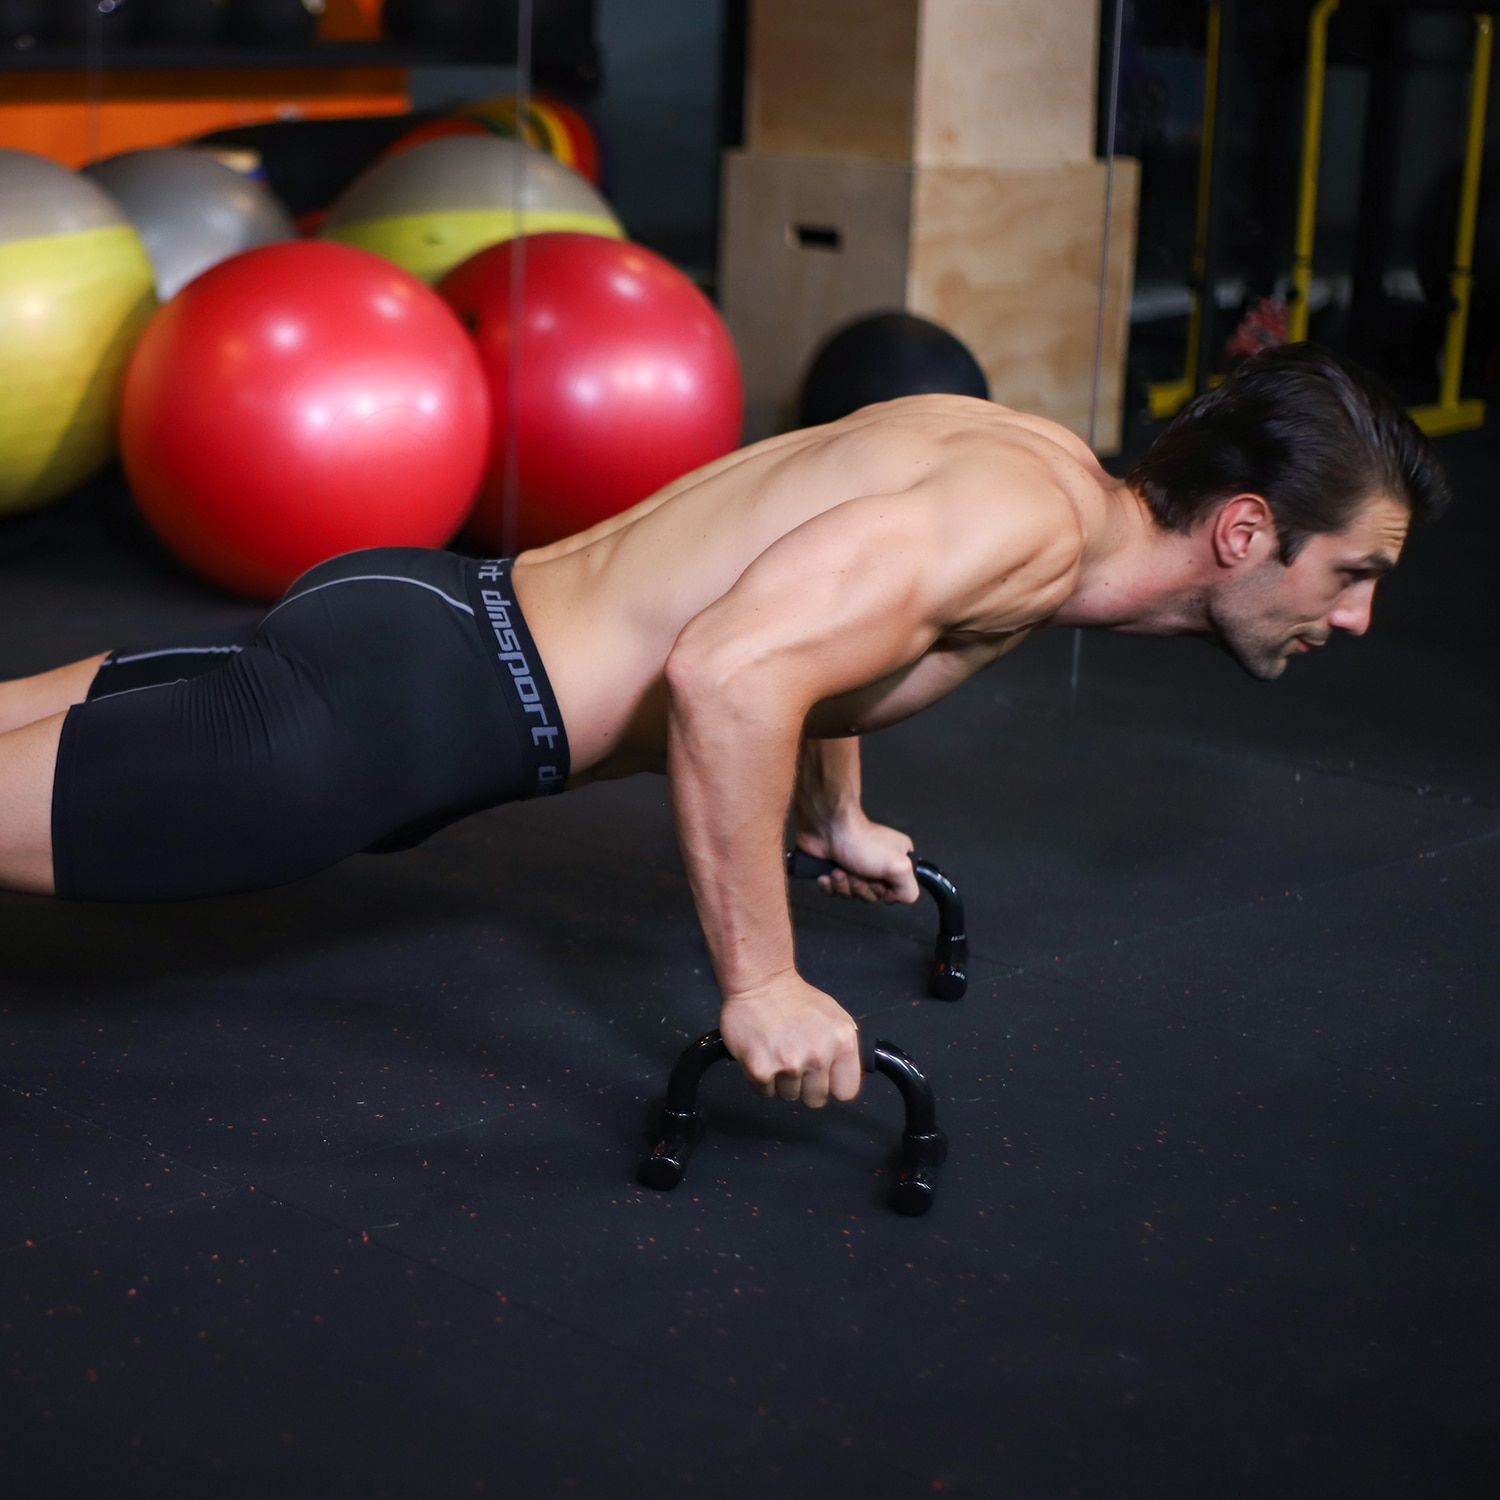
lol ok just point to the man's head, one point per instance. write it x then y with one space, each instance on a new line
1302 475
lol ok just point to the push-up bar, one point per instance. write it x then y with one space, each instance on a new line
923 1144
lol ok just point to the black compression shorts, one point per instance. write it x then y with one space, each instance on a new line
388 693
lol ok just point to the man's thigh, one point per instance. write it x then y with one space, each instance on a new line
28 762
27 700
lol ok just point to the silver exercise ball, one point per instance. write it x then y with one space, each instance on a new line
190 209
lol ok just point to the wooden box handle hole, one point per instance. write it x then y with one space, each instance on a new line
816 237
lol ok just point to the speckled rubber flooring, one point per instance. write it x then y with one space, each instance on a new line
331 1190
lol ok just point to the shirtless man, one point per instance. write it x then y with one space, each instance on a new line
739 630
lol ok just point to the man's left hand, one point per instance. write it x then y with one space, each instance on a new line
872 862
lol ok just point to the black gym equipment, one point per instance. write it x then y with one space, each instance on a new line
308 163
80 23
438 23
281 22
183 21
880 357
923 1145
21 22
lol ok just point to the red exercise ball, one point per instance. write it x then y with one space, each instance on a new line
299 401
627 380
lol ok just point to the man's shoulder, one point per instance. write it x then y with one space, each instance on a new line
941 415
1022 474
1010 502
974 440
972 480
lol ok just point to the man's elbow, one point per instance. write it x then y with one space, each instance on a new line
702 665
685 668
719 680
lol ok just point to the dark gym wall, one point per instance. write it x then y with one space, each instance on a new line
1434 110
659 115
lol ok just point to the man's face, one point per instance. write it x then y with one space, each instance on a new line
1273 612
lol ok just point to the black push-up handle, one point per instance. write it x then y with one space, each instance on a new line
923 1144
950 952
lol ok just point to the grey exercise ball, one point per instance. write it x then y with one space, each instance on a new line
191 210
40 198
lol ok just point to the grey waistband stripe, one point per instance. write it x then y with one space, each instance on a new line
178 651
145 687
373 578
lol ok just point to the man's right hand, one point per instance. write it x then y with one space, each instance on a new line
793 1042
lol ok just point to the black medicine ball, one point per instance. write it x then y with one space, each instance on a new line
884 356
280 21
183 20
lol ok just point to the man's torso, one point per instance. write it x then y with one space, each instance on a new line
606 607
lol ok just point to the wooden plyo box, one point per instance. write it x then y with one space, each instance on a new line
1008 258
936 82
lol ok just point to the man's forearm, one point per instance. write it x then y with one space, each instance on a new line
828 784
732 761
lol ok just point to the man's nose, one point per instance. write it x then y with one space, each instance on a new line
1353 614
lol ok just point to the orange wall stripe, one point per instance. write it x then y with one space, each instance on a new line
50 113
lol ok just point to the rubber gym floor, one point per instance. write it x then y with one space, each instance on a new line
330 1190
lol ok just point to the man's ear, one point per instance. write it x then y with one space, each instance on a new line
1242 531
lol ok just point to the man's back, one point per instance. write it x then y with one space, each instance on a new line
607 606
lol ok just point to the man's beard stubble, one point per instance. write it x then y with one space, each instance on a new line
1236 619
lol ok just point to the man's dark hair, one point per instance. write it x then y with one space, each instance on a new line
1311 433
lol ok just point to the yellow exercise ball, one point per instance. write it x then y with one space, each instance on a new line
76 291
433 206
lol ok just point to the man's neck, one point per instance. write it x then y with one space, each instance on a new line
1135 575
